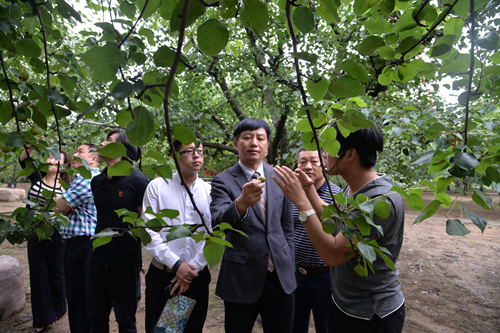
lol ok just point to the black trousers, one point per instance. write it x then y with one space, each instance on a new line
112 286
156 282
75 259
275 307
342 323
45 259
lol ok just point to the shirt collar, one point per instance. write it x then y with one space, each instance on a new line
249 172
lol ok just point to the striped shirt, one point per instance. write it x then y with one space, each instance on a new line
305 253
83 219
36 192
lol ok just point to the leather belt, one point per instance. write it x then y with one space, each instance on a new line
160 266
74 240
312 270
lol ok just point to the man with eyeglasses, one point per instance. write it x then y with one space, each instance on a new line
180 261
313 277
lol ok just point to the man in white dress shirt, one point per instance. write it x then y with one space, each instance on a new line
180 261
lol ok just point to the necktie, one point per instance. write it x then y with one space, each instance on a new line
262 205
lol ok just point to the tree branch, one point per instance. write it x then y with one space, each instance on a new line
166 106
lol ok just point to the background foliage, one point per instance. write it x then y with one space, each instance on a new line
157 68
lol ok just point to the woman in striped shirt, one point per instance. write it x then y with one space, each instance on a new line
45 257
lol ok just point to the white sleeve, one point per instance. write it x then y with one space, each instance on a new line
157 247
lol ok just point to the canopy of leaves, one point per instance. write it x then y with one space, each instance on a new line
70 71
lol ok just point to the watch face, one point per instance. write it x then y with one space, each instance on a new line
303 216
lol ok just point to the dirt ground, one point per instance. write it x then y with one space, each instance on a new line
451 284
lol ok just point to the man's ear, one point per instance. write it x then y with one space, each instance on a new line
351 154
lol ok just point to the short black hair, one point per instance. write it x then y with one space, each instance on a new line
301 149
93 148
177 144
251 124
133 152
366 141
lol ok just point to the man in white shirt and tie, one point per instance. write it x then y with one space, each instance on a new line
180 261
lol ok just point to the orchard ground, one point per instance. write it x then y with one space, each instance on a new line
451 284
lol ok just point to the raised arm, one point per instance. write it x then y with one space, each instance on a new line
332 249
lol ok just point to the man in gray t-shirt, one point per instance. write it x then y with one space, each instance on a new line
368 304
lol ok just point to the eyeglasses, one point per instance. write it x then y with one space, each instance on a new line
192 151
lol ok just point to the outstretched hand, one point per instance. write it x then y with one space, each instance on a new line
292 184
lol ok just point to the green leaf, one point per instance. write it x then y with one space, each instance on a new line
213 253
39 119
388 262
362 225
103 61
332 11
122 168
212 37
415 201
145 236
488 42
122 90
152 7
128 9
358 119
329 226
426 158
346 87
164 57
15 139
466 161
96 106
360 6
453 26
6 113
56 97
220 241
443 45
370 44
67 11
28 48
254 13
113 150
456 228
433 131
443 183
178 231
478 221
406 44
493 174
354 70
361 270
123 117
142 128
482 200
196 9
183 134
378 27
310 57
428 211
303 19
382 210
317 90
367 251
405 22
67 82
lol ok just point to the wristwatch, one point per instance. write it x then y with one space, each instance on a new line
303 216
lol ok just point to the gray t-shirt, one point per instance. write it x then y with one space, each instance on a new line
378 293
